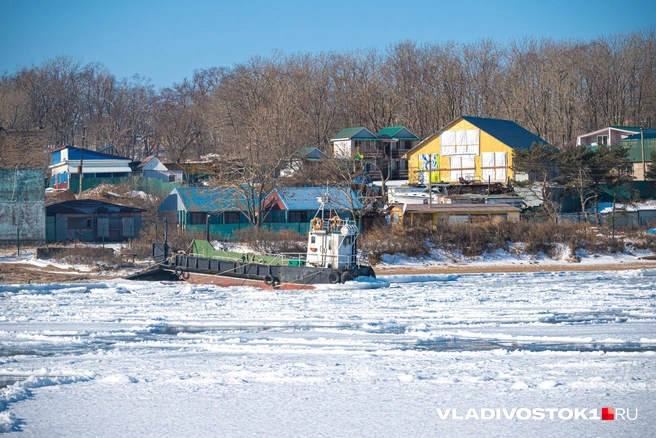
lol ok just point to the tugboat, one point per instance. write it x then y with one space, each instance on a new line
331 258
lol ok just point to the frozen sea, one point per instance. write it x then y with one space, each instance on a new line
385 359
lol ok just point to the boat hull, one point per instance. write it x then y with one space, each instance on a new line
219 280
204 270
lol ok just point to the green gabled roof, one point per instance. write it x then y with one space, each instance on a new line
506 131
646 133
397 133
305 152
360 133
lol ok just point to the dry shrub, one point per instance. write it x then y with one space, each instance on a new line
608 244
271 242
81 255
542 237
470 239
383 240
644 241
474 239
177 239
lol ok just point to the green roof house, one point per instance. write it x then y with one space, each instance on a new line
351 141
381 154
635 155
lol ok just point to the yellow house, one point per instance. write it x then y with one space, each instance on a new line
469 149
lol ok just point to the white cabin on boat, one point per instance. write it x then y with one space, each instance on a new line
331 242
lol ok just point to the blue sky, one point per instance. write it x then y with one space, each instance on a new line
167 40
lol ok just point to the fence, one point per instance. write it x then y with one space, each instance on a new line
227 231
623 219
149 185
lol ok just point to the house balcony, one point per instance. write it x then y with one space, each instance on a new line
399 153
396 175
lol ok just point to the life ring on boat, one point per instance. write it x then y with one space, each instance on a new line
269 280
179 271
316 223
334 277
347 277
335 221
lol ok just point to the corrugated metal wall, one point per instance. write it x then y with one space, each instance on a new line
22 205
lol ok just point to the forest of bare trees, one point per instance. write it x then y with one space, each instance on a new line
270 106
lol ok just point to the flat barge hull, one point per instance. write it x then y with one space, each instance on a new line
220 272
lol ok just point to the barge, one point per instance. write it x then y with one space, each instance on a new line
331 258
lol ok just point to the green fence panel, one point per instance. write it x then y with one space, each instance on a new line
152 186
228 231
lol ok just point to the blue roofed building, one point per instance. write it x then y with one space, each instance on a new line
65 164
298 205
225 208
192 206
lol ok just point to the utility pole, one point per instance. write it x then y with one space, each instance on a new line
79 171
430 180
642 141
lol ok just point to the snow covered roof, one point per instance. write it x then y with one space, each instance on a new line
306 198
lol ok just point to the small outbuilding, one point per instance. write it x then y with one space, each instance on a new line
89 220
152 167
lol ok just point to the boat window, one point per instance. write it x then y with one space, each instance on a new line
313 239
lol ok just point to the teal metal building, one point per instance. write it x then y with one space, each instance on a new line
22 188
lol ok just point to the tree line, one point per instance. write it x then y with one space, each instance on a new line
268 107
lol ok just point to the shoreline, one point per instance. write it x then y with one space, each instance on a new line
26 273
514 268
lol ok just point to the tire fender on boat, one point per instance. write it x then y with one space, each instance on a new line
179 271
334 277
269 280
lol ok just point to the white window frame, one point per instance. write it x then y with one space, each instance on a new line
460 142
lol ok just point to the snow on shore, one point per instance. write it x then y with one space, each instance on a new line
515 258
121 358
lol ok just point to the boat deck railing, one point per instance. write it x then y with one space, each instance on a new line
267 259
